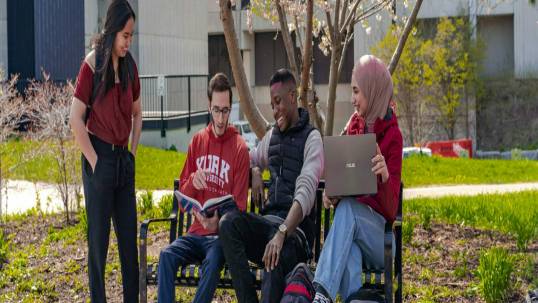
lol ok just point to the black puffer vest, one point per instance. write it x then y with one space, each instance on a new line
286 155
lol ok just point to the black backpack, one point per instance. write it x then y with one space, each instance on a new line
299 287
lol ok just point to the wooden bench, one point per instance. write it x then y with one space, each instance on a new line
187 276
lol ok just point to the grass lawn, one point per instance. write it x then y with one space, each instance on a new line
442 254
471 249
424 171
157 168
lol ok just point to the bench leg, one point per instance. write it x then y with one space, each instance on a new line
388 264
143 285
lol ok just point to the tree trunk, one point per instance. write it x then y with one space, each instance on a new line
307 63
251 111
401 43
288 42
313 101
331 99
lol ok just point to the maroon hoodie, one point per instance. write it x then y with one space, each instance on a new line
227 159
389 139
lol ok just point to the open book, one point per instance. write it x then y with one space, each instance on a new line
220 204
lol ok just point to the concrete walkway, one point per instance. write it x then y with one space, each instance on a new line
22 195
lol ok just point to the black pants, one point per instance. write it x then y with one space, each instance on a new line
109 193
243 237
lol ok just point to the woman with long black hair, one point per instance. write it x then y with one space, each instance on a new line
104 113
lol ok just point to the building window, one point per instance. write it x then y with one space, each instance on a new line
270 56
497 33
322 65
219 61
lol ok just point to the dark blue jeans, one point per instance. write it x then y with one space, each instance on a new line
191 249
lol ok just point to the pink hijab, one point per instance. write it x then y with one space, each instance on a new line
375 82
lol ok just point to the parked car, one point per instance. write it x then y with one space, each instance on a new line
246 132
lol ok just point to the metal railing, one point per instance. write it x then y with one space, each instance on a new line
167 97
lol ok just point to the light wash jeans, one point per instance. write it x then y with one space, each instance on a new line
356 236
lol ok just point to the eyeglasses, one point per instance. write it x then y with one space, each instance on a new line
224 110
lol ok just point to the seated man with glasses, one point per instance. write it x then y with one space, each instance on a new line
217 165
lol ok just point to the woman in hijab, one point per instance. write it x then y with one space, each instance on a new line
357 232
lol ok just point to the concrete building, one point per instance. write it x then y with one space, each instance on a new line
37 39
3 36
170 39
185 38
508 28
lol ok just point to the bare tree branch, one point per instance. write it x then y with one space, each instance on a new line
343 11
370 11
330 25
48 110
351 15
298 36
337 15
286 37
403 38
307 58
344 50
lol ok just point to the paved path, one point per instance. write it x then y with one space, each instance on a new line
22 195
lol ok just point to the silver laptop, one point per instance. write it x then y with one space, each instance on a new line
348 165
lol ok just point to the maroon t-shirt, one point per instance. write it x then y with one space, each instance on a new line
111 115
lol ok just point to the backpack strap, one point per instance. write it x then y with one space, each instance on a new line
92 98
93 61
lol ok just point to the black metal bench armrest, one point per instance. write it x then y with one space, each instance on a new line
143 267
144 226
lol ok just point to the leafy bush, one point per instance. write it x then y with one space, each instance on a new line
494 272
4 246
145 203
408 226
165 206
83 221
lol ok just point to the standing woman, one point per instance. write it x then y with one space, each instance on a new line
357 232
104 113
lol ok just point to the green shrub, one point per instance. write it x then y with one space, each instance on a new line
462 269
83 221
408 226
521 226
426 218
145 203
165 206
494 271
516 154
4 246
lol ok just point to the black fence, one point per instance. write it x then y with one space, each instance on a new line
173 97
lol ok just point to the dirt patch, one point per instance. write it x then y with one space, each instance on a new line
442 260
439 264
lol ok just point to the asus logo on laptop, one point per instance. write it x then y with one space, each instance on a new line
351 165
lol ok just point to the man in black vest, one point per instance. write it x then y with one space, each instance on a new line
284 235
